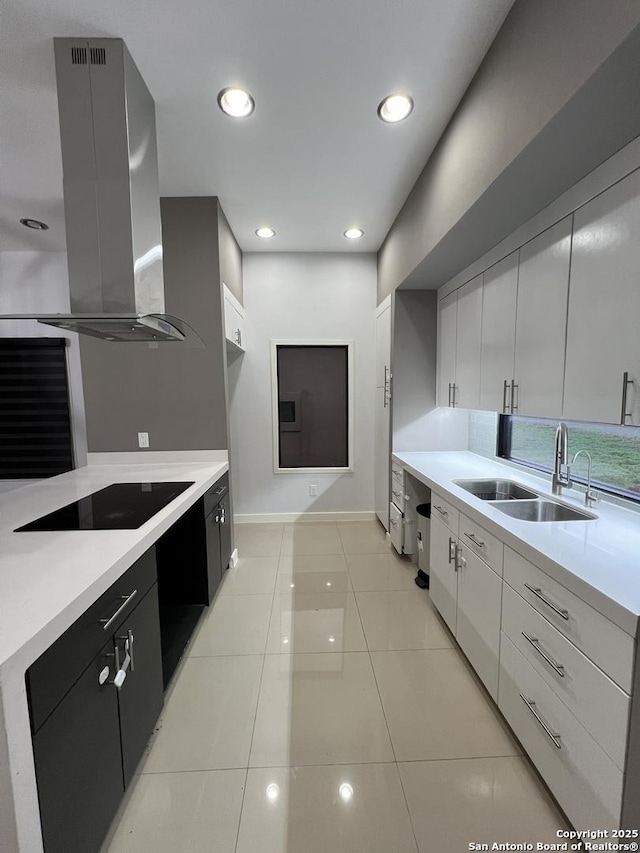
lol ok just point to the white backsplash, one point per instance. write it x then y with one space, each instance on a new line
483 433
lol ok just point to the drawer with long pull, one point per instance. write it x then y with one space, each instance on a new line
397 494
600 640
397 470
597 702
53 673
481 542
582 777
445 511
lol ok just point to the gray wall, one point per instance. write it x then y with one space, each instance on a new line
175 393
230 257
535 119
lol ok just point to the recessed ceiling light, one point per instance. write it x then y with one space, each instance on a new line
236 102
353 233
35 224
266 233
395 107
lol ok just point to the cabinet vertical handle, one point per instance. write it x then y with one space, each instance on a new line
505 391
455 389
385 401
624 414
449 400
514 388
531 705
452 550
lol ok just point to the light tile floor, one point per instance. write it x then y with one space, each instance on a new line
323 706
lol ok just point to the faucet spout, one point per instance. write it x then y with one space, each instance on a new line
561 478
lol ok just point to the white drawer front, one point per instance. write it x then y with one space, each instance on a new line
445 511
396 528
602 641
482 543
598 703
582 777
397 494
397 470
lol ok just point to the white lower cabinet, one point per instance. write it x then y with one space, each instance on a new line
582 777
478 616
560 672
443 575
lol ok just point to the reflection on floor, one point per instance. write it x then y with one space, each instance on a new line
324 708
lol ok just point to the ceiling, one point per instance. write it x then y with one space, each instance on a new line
313 159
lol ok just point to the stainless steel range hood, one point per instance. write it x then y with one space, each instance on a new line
111 197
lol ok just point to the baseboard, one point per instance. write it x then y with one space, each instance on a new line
288 517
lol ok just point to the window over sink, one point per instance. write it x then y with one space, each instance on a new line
615 451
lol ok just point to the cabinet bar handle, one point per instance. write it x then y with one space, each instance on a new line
538 593
106 623
449 401
505 389
557 667
452 550
514 387
442 512
453 400
624 414
554 738
478 542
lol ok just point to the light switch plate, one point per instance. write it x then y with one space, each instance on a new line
143 439
313 491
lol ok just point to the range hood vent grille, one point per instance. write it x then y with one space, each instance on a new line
78 55
98 56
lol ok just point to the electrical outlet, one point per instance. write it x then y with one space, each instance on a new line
313 490
143 439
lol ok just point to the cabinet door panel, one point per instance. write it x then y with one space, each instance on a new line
498 331
225 534
543 285
468 341
604 305
447 322
478 617
382 412
78 764
443 578
141 697
214 569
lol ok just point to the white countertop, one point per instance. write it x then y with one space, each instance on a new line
598 560
48 579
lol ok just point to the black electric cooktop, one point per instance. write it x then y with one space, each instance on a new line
122 506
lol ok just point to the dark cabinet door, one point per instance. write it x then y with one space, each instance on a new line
79 765
225 533
214 568
141 696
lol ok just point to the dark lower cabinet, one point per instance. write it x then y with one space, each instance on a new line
79 765
141 696
87 747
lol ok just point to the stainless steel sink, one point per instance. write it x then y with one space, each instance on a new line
541 510
496 490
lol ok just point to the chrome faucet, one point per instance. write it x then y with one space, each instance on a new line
559 479
590 497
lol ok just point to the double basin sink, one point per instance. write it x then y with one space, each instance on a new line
520 502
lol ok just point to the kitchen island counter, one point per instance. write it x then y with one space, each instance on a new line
49 578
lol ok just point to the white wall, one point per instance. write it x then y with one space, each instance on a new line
301 296
37 282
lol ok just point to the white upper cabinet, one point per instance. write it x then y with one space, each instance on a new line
234 320
468 339
603 343
541 320
499 334
447 322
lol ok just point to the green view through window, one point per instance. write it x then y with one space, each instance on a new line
615 451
